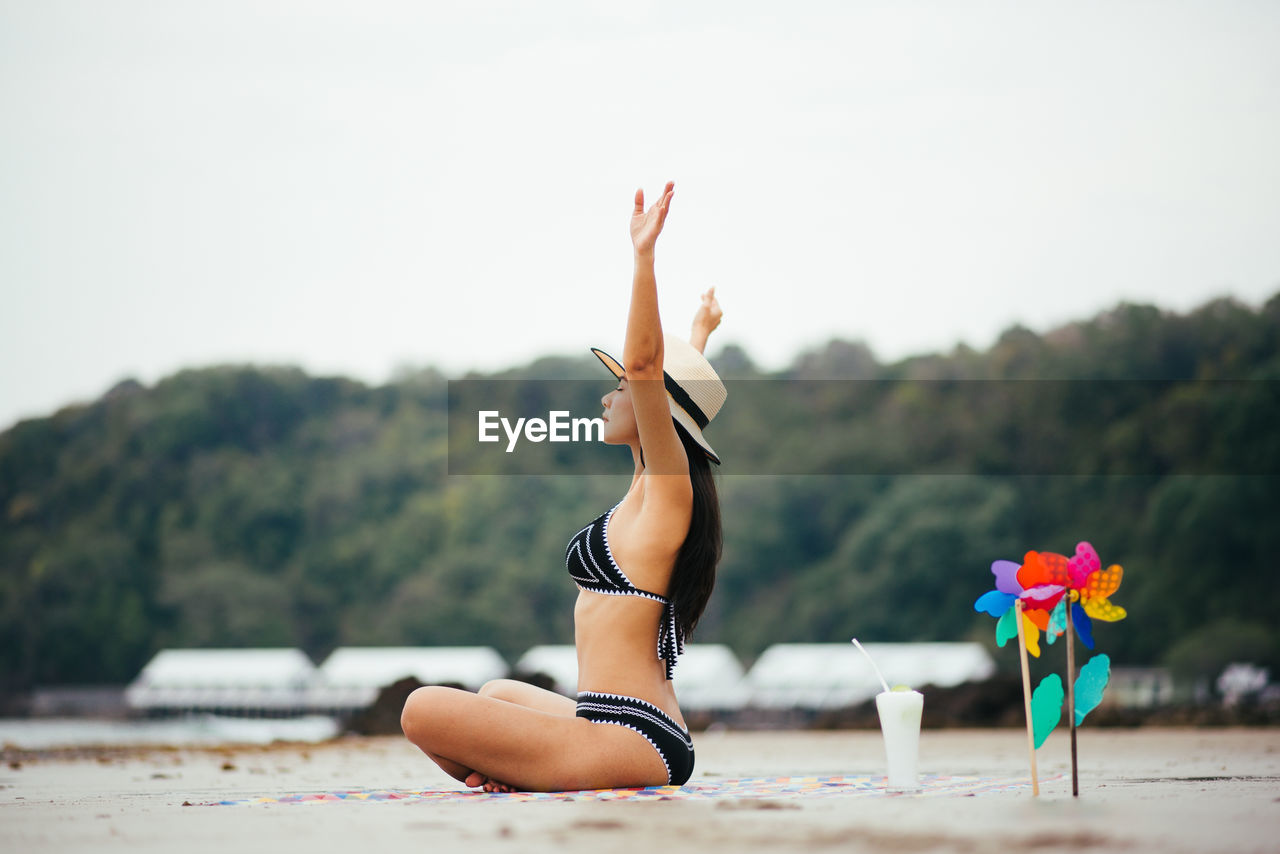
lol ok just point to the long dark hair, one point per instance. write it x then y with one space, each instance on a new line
694 574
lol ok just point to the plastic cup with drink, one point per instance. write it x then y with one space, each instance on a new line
900 710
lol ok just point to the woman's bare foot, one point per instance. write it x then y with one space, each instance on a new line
477 780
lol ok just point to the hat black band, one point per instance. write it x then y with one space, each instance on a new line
685 402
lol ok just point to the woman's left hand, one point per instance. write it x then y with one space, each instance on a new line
647 225
708 315
705 320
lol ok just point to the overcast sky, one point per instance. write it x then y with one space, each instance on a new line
356 187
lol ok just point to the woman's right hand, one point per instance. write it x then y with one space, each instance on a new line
647 225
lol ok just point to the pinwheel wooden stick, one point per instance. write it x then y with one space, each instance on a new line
1026 699
1071 693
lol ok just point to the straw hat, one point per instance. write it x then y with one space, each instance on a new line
694 390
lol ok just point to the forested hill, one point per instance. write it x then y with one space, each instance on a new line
254 506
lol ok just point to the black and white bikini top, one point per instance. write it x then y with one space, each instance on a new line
592 567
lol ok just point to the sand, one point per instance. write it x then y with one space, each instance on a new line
1142 790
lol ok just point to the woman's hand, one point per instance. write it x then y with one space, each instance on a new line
705 319
647 225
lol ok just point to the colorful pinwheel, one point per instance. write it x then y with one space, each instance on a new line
1046 582
1054 594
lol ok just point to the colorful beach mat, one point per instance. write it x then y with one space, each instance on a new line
740 789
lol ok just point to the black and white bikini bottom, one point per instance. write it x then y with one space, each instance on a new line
667 737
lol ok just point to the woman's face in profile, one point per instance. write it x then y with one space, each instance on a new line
619 418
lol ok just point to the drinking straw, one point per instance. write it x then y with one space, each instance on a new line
873 665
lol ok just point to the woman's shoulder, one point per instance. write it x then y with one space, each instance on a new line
656 516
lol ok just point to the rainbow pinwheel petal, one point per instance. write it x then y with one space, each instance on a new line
1006 573
994 602
1103 583
1057 621
1033 571
1046 707
1084 564
1031 634
1007 627
1090 685
1084 626
1102 609
1042 568
1038 617
1057 566
1042 598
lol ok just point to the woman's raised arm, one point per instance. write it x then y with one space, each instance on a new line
642 352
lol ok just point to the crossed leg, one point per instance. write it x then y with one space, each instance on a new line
537 747
523 694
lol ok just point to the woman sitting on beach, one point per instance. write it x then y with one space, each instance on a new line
645 569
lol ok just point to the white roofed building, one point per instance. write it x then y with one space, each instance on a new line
238 681
351 677
558 661
708 676
833 676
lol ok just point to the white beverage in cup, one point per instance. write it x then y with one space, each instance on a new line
900 723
